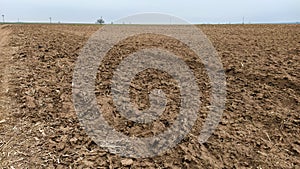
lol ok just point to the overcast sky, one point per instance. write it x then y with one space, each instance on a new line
194 11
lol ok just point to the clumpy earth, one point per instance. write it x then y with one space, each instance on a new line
260 127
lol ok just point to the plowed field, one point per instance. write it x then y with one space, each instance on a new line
260 127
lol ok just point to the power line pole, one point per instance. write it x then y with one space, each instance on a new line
3 18
50 20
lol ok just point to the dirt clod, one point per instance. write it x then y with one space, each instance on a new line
127 162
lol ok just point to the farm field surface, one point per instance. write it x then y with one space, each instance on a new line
260 127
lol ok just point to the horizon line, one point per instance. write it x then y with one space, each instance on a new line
200 23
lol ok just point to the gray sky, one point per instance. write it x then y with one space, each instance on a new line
194 11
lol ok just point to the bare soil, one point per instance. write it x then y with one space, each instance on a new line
260 126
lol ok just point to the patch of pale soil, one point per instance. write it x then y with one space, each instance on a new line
6 104
5 54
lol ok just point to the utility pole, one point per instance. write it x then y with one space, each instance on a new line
50 20
3 18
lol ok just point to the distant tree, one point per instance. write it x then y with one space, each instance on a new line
100 21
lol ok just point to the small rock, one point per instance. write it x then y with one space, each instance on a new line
73 140
127 162
30 102
60 146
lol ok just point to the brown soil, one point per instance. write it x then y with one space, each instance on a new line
5 54
260 126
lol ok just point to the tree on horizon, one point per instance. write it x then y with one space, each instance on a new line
100 21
